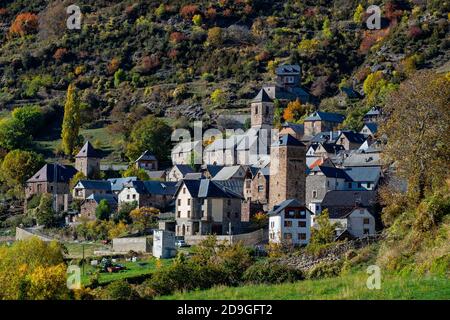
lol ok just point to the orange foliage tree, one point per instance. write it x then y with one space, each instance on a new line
294 111
25 23
188 11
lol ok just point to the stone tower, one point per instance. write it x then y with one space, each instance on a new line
287 170
262 111
88 161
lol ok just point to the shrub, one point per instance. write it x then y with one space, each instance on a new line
325 270
24 24
119 290
188 11
270 272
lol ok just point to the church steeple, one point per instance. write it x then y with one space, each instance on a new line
262 110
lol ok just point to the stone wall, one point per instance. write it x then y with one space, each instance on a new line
247 239
24 234
138 244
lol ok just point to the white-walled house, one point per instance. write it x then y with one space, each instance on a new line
178 172
358 221
155 194
290 222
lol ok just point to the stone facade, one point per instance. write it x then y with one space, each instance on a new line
262 114
287 173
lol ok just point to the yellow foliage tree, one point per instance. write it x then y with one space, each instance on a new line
144 217
294 111
48 283
71 121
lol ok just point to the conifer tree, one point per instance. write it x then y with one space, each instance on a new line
71 121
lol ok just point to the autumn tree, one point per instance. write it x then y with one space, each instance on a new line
144 218
71 121
417 126
359 14
32 269
77 177
294 111
215 36
150 134
25 23
132 171
18 166
44 213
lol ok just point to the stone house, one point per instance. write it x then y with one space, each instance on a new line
350 140
209 170
89 205
370 129
88 161
181 153
206 207
147 161
357 221
322 121
290 222
327 150
256 186
155 194
84 188
287 170
53 179
295 130
178 172
373 115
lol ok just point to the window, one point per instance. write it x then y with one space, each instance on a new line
187 228
248 183
302 224
291 213
369 184
128 196
184 190
178 214
349 185
288 236
366 221
134 196
288 224
366 231
301 236
314 194
302 214
260 188
272 224
189 213
189 202
229 202
256 110
179 202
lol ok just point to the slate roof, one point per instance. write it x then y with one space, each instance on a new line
194 176
353 137
338 198
280 93
117 184
332 147
235 185
146 156
287 140
160 174
373 112
88 151
344 212
277 209
362 159
206 188
351 93
332 172
372 126
184 169
95 184
287 69
153 187
227 173
361 174
47 173
213 169
326 116
298 128
325 136
262 96
112 200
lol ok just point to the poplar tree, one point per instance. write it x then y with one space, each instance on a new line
71 121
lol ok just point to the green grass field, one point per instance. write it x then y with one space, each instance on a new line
75 250
344 287
134 269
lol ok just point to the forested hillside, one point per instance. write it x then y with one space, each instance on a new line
184 59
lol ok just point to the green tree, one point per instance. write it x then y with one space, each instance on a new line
324 233
103 210
150 134
29 118
218 97
119 77
215 36
44 213
197 19
18 166
326 30
77 177
144 218
71 121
